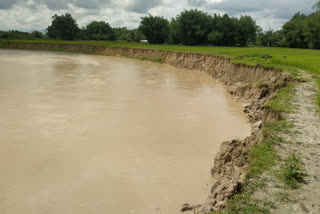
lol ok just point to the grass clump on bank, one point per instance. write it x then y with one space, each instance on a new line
291 171
280 102
262 157
243 203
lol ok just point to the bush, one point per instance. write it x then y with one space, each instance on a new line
292 171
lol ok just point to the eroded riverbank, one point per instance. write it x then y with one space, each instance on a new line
252 85
83 134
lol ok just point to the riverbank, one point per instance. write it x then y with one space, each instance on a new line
266 93
288 59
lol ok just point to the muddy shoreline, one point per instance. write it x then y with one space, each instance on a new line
253 86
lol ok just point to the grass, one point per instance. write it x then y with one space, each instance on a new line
262 157
280 101
289 59
243 204
263 85
291 172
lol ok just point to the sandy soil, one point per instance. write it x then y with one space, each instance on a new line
305 143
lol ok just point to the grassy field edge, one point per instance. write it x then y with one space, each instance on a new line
288 59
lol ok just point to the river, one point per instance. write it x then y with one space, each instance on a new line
83 134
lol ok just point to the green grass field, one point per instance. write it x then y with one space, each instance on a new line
282 58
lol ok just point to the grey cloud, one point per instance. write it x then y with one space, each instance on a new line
142 6
196 3
64 4
93 4
279 8
55 4
7 4
234 7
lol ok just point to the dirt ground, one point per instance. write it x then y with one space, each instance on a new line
304 138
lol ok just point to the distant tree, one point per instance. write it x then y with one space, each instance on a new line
63 27
137 35
316 6
215 37
83 34
122 33
247 30
224 30
295 31
194 27
100 30
15 34
175 34
4 35
313 31
271 38
155 28
37 34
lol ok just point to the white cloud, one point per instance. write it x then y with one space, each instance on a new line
28 15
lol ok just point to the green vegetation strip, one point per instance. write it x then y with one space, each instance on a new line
280 102
291 172
281 58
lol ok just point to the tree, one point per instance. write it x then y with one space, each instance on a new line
122 33
63 27
174 35
83 34
215 37
4 35
155 28
194 27
316 6
313 31
246 29
100 30
225 29
271 38
37 34
295 31
137 35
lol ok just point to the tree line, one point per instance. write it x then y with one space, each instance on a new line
194 27
301 31
190 27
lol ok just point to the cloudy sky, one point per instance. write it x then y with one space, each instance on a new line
28 15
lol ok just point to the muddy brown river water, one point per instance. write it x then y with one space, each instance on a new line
82 134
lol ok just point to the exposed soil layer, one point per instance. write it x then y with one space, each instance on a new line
254 86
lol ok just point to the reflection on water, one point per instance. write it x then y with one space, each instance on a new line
89 134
